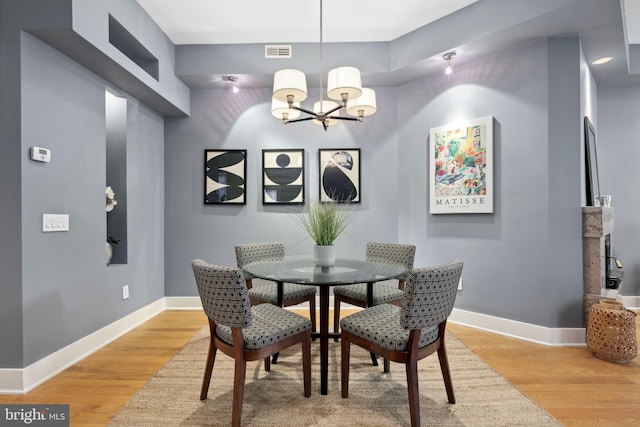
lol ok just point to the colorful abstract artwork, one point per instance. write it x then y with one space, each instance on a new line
283 177
339 175
461 167
224 179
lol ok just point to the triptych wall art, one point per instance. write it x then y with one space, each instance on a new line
283 176
339 175
224 178
461 167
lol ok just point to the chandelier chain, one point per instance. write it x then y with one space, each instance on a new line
321 49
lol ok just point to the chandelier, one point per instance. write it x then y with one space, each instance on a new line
343 85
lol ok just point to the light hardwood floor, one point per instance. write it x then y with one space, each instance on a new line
574 386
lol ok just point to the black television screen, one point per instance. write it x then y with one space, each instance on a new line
591 163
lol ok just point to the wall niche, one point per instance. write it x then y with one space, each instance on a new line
116 155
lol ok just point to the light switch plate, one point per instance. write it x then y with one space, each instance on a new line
55 222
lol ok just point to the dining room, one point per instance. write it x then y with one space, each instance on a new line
524 84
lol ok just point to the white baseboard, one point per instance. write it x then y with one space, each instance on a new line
631 302
512 328
520 330
20 381
183 303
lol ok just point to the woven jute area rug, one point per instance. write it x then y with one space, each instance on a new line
484 398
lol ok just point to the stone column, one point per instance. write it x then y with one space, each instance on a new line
597 222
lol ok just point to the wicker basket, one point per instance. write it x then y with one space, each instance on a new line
611 332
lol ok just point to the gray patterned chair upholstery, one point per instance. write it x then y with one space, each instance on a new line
408 333
383 253
292 293
244 332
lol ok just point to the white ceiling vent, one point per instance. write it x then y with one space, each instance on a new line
277 51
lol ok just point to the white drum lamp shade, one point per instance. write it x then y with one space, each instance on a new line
344 85
326 106
289 82
365 103
344 80
279 107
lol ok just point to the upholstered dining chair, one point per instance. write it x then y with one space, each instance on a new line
292 293
389 253
243 332
408 333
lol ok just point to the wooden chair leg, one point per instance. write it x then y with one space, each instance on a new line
306 363
446 373
267 363
208 369
387 365
312 313
345 350
412 388
238 391
374 359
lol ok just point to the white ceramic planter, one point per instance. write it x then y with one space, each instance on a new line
324 256
109 253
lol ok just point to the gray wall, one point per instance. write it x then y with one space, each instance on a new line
524 262
56 287
10 188
617 131
504 252
221 120
67 289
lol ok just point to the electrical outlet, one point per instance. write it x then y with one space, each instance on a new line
125 292
460 284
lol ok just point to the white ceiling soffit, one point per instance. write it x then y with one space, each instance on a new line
293 21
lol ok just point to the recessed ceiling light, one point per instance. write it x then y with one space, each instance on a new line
602 60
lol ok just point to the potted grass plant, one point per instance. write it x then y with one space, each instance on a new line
324 223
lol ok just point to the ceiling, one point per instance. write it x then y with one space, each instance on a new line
599 23
293 21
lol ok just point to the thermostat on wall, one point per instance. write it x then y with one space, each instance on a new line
40 154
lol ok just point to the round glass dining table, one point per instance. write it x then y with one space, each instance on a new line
302 270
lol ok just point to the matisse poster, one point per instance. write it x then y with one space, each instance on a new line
461 167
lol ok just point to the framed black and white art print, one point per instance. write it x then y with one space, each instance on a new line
224 177
339 175
283 177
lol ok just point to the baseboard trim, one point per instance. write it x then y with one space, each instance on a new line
520 330
183 303
631 302
21 381
512 328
